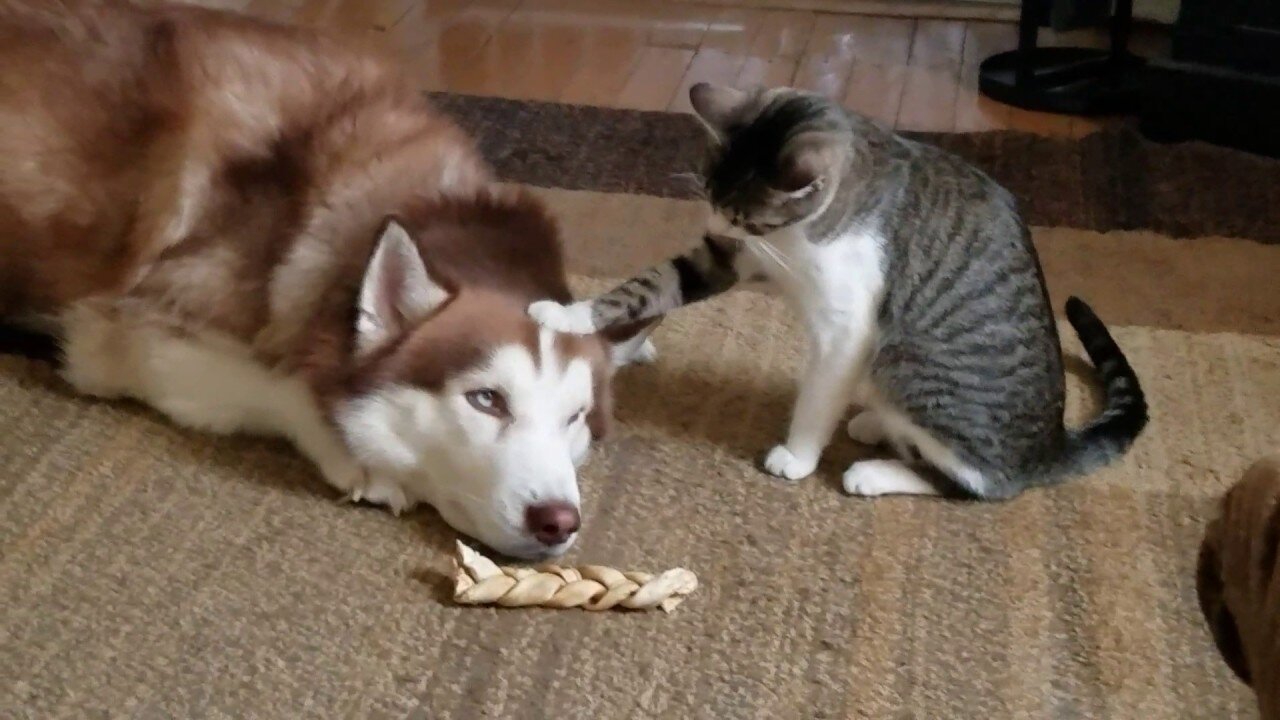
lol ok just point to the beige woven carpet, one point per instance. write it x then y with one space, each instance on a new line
150 572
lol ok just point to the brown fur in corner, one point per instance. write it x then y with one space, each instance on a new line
1239 581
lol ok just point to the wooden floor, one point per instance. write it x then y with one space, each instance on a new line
644 54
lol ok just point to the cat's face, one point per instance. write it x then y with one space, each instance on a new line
777 154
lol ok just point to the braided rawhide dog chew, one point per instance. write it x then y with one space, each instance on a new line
477 580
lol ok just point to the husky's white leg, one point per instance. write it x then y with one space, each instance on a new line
97 354
211 385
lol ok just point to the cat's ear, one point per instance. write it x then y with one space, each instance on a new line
397 291
716 106
807 162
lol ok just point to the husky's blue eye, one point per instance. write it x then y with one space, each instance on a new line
489 402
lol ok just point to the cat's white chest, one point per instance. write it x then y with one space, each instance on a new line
826 282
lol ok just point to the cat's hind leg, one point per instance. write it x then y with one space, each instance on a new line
875 477
868 425
866 428
936 468
872 478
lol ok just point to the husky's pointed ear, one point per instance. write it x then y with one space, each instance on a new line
716 106
397 291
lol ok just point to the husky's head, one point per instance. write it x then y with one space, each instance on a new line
469 405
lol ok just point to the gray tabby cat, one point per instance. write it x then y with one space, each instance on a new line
920 290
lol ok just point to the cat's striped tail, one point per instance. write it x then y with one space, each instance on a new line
1110 434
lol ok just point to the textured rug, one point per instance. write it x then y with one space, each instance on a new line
151 572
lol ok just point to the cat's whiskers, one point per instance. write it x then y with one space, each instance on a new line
764 247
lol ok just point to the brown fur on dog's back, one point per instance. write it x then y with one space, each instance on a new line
76 105
133 136
233 172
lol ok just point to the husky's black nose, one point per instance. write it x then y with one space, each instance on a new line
552 522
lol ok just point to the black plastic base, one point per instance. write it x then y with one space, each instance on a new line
1188 101
1064 80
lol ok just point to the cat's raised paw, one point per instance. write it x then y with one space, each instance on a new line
575 318
872 478
780 462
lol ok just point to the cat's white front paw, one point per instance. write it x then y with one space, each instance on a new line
780 462
575 318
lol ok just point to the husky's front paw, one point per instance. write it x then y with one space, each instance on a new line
575 318
780 462
381 491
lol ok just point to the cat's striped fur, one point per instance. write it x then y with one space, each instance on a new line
919 286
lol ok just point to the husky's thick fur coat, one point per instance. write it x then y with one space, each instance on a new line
255 228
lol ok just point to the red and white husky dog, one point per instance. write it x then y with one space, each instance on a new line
253 228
